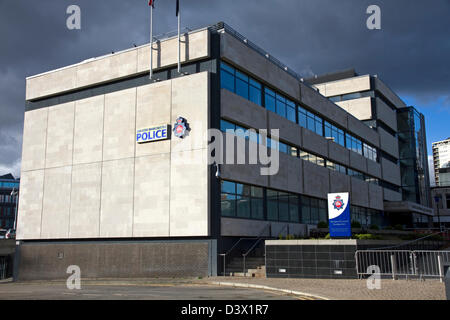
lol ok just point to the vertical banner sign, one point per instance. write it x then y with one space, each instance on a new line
339 214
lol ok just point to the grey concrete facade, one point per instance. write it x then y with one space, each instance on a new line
85 180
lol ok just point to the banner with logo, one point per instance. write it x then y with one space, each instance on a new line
339 215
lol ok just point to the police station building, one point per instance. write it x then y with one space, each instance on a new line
116 176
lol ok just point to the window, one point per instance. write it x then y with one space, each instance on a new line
356 174
270 100
353 144
310 121
448 201
334 133
370 152
293 208
312 158
272 205
257 203
336 167
306 210
239 83
241 200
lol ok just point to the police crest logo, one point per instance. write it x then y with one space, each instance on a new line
338 203
180 128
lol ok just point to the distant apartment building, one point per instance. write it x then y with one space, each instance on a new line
8 201
441 162
441 205
401 130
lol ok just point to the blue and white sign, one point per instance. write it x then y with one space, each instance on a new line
152 134
339 215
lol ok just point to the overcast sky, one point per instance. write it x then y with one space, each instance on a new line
411 52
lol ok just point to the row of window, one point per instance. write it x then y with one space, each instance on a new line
250 89
6 223
7 211
249 202
242 132
351 96
6 198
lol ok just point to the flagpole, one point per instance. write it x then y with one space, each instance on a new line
179 40
151 42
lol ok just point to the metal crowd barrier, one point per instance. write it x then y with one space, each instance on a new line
402 263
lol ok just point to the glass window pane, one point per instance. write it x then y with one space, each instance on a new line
225 125
242 76
227 80
257 209
272 208
291 114
243 207
283 208
239 188
270 102
228 205
228 187
306 210
242 88
255 83
293 208
311 124
255 95
257 192
227 67
281 108
283 147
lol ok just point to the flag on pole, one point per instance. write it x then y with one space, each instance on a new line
151 3
178 7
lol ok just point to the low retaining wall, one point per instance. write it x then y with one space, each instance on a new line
334 259
117 259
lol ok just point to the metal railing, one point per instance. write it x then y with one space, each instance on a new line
406 263
228 29
425 243
257 239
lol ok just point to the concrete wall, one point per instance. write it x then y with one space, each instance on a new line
84 176
145 259
390 195
339 87
391 172
388 93
237 53
388 143
386 114
254 228
359 108
194 46
323 106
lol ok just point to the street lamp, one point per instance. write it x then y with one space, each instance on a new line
15 193
437 199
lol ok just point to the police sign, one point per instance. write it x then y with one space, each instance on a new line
339 215
152 134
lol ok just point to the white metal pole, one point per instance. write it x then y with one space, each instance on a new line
179 40
151 42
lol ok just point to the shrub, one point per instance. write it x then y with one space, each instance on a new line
398 227
328 236
367 236
356 224
322 225
374 227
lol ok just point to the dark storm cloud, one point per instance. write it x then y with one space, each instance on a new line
410 53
